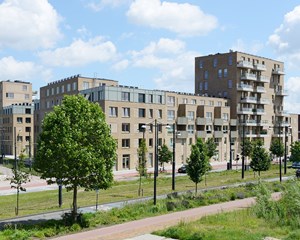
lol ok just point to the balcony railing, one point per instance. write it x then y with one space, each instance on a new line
263 101
281 93
249 100
249 76
278 71
245 64
260 89
245 87
260 67
263 79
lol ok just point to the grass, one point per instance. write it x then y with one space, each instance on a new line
242 224
46 201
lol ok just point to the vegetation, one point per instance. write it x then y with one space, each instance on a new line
295 152
211 147
75 147
198 162
277 147
164 155
260 158
142 164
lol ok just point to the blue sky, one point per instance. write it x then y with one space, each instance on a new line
145 43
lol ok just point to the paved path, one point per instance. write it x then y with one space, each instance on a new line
144 226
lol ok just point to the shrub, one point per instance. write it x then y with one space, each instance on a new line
240 195
171 206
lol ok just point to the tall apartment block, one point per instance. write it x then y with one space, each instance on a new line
128 109
254 87
16 117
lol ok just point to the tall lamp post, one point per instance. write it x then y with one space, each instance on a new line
243 152
285 147
175 134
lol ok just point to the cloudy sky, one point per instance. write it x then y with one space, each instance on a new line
145 43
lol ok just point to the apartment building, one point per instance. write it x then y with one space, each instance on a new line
16 117
129 109
254 87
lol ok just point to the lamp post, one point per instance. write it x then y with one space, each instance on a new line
285 147
175 134
243 152
280 163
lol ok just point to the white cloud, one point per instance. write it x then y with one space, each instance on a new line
80 53
174 62
28 24
184 19
121 65
99 5
11 69
253 47
292 102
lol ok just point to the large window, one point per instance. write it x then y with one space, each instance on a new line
74 86
191 115
159 113
229 83
125 143
126 112
225 72
24 87
191 129
142 112
68 87
85 85
215 62
113 111
230 60
10 95
142 98
19 120
150 113
201 64
171 101
205 74
205 85
126 161
209 115
171 114
125 127
125 96
219 73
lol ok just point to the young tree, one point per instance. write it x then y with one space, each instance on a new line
198 163
211 147
19 178
295 152
164 155
260 157
277 147
76 147
142 163
247 148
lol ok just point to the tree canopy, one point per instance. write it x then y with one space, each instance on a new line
260 157
75 147
277 147
164 155
211 147
295 152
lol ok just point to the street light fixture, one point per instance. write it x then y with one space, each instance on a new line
175 134
285 147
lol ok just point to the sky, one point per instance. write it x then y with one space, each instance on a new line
150 44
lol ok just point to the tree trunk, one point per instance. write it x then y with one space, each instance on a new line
196 189
259 173
17 208
140 185
74 210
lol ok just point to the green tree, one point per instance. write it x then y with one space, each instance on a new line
260 157
248 147
19 178
277 147
198 163
142 163
164 155
295 152
211 147
76 148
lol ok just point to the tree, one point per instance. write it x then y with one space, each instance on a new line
142 163
247 148
277 147
295 152
211 147
76 148
260 157
198 163
164 155
19 178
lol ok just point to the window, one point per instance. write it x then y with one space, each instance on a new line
201 64
171 114
219 73
211 103
10 95
230 60
225 94
52 91
219 104
225 72
125 96
74 86
125 161
208 128
159 113
229 83
68 87
141 97
191 129
160 98
171 101
215 62
26 96
205 85
113 111
209 115
150 113
27 138
19 138
150 142
225 116
28 120
62 89
150 98
125 143
85 85
185 100
126 112
142 112
194 101
28 129
19 120
27 110
191 115
225 129
205 74
200 86
57 90
47 93
125 127
202 102
24 88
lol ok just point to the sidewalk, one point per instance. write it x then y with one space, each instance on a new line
135 230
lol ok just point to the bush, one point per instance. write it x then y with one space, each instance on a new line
171 206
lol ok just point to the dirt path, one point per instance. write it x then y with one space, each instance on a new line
148 225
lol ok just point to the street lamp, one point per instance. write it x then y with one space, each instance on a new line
285 147
175 134
243 152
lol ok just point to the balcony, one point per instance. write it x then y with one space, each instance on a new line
278 71
282 113
204 134
219 121
249 76
285 124
263 123
259 111
263 133
249 100
260 89
245 87
260 67
263 101
203 121
234 134
233 122
218 134
245 64
263 79
251 134
183 134
250 122
245 111
281 93
182 121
